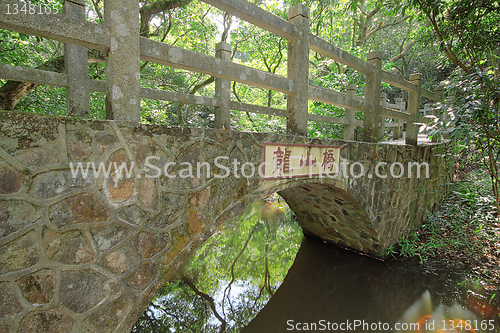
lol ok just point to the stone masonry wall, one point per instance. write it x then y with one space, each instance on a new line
88 254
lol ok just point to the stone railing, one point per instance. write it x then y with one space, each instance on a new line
120 39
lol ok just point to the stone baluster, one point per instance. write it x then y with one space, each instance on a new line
383 104
413 109
223 90
123 76
350 127
76 67
298 72
372 97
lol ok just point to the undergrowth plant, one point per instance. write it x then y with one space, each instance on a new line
459 229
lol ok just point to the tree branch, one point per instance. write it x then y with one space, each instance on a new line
96 7
208 298
192 92
155 7
382 26
449 53
403 53
239 100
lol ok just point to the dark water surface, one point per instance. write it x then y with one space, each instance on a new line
243 268
333 285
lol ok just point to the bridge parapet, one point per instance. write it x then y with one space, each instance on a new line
89 253
120 39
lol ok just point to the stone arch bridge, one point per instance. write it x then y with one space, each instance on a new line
88 254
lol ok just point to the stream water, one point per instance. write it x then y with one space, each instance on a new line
326 288
331 285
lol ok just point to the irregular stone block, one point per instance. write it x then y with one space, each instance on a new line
142 150
106 319
11 180
148 193
104 138
149 244
173 205
80 208
201 198
118 187
142 277
48 321
37 157
18 254
108 236
9 304
15 215
53 183
133 215
81 290
196 221
68 248
78 150
120 260
180 238
37 287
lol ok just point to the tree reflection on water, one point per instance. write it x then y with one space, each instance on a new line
231 277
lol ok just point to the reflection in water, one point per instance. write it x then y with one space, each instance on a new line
339 286
420 318
232 277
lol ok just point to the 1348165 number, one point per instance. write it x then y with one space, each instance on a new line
468 325
30 9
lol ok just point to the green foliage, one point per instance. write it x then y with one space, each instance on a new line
467 30
468 34
459 229
22 50
475 122
46 100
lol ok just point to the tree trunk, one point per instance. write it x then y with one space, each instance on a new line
14 91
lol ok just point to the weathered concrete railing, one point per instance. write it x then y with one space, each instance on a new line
121 41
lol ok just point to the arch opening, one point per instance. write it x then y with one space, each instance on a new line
231 276
318 210
331 214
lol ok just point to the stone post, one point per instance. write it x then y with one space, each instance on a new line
76 67
123 76
427 109
397 130
383 104
298 72
441 120
440 93
372 97
350 127
449 103
223 90
413 110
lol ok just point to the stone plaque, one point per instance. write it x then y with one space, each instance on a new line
285 160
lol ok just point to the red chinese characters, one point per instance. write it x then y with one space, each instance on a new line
328 160
282 161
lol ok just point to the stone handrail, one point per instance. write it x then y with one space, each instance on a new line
123 91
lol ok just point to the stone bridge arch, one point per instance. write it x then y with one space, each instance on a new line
87 254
